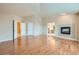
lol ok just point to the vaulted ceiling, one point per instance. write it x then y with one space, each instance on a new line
42 9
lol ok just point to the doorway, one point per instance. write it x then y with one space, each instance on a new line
51 28
19 30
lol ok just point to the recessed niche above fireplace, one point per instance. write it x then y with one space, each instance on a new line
65 30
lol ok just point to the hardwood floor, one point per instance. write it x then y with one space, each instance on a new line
39 45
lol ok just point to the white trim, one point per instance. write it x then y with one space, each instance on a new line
67 38
5 40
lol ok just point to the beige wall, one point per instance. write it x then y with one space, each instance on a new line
77 23
61 20
66 20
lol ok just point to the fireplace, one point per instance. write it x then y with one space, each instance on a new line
66 30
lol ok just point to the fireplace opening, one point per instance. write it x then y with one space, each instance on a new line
66 30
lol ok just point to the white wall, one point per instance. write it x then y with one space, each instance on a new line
36 21
30 28
66 20
23 29
6 26
45 21
39 24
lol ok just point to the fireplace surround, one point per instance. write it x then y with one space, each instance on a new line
66 30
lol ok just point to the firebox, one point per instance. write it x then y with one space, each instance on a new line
66 30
